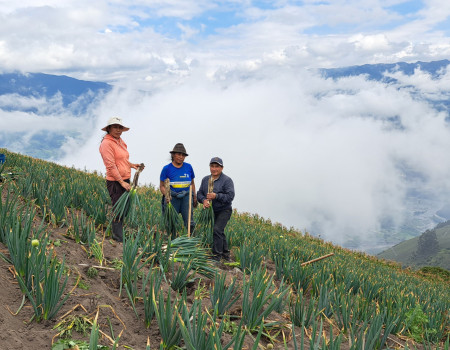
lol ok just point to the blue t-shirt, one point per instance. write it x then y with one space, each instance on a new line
180 178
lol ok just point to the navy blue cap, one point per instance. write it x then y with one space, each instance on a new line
216 160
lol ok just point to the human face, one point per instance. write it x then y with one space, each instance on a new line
216 170
115 130
178 159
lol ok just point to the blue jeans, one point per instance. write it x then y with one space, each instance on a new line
180 202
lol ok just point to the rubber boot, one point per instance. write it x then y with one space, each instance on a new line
117 231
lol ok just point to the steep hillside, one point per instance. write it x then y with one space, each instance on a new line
153 293
423 250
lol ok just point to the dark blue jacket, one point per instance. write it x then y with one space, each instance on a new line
223 188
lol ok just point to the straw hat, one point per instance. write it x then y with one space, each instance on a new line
115 120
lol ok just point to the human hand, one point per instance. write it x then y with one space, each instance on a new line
211 196
206 203
195 202
126 186
167 199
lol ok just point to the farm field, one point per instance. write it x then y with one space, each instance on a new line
79 288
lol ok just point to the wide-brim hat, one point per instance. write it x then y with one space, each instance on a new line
216 160
179 148
115 120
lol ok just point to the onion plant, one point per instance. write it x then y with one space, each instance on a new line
205 220
167 317
82 228
131 267
184 249
205 225
265 298
249 256
302 313
153 281
200 331
128 206
26 258
8 211
222 297
181 278
46 296
171 221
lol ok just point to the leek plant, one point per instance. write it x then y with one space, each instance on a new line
46 296
334 343
264 301
184 249
170 220
8 211
128 206
180 279
93 340
96 250
205 221
249 256
222 297
153 281
132 265
82 228
193 325
57 200
302 314
26 258
343 305
167 317
205 225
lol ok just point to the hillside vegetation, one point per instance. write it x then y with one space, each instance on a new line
82 290
431 248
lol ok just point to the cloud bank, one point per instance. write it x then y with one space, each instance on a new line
334 157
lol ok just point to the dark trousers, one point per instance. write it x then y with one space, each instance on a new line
220 245
115 191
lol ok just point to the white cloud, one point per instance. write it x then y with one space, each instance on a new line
115 40
317 154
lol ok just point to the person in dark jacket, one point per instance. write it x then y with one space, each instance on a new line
221 199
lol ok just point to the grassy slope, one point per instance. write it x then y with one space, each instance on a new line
403 252
376 284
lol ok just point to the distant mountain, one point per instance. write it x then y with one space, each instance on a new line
377 71
30 96
381 72
46 86
431 248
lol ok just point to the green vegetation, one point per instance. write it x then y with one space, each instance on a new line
350 298
431 248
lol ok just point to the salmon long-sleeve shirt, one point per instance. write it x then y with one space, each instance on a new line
115 157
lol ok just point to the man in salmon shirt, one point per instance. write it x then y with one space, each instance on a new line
118 168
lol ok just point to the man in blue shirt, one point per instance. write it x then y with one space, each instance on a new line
181 176
221 198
